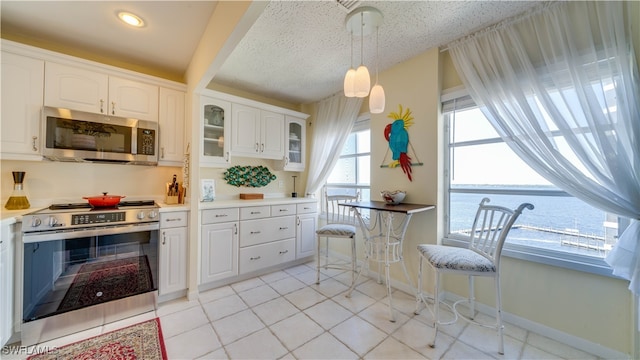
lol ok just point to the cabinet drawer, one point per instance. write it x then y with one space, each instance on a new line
213 216
281 210
264 255
173 219
306 208
254 212
253 232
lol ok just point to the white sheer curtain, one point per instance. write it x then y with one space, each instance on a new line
334 121
560 85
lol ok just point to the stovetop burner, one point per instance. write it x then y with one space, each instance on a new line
70 206
137 203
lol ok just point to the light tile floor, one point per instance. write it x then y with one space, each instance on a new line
285 315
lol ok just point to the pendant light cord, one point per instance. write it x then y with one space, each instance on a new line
351 49
377 57
362 38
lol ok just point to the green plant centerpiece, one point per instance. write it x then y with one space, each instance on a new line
249 176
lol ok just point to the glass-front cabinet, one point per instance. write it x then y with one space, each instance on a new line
216 127
295 144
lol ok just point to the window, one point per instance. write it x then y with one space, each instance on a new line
562 230
353 170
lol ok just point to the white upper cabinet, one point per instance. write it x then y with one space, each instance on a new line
256 132
80 89
251 129
22 81
272 134
245 131
215 122
74 88
295 143
133 99
171 124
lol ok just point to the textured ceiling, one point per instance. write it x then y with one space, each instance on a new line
297 51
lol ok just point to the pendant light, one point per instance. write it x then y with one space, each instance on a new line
361 22
376 98
350 77
363 80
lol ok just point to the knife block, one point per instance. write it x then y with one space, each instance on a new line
170 199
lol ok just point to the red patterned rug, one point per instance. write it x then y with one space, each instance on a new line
104 281
139 341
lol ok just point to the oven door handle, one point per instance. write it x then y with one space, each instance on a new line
78 233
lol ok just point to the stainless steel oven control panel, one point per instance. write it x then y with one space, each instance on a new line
52 220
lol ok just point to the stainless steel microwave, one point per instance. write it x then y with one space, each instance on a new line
72 135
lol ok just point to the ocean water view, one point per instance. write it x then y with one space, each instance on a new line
557 222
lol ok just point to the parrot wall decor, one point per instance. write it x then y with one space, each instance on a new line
398 137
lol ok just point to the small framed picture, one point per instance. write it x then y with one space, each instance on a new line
208 190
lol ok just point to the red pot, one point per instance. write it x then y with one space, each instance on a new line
104 200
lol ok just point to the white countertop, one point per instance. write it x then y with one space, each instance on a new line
8 217
216 204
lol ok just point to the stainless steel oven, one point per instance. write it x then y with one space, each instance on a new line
85 267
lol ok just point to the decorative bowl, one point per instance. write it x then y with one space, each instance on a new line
394 197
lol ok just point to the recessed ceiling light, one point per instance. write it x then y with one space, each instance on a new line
131 19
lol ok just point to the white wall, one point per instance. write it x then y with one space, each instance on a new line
46 181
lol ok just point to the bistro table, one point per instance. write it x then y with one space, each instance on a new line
383 230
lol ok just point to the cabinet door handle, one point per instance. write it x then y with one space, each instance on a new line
113 108
221 215
162 152
262 147
101 106
175 219
283 252
281 210
283 228
164 237
226 157
286 160
255 258
257 147
255 232
255 212
34 138
235 229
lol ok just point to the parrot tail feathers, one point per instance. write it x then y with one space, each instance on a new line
405 164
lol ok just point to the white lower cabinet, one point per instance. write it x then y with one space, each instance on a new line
268 238
306 235
247 239
219 248
6 283
262 256
173 252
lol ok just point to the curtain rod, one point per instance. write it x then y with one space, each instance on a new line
506 22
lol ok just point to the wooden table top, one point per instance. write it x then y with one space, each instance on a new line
383 206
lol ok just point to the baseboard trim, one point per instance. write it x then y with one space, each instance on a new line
543 330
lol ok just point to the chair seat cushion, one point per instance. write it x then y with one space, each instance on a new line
455 258
337 230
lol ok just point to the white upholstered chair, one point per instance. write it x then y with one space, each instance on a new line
488 234
341 226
